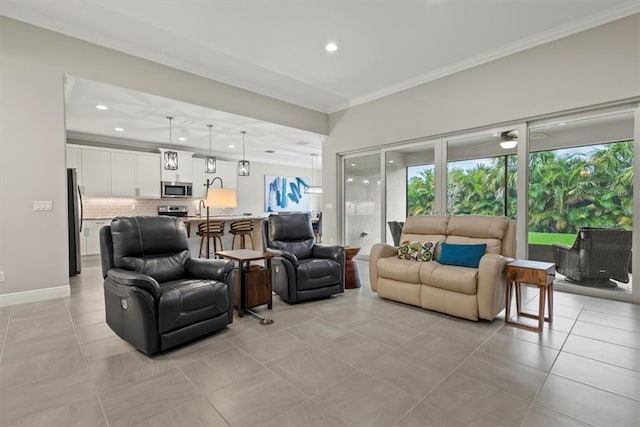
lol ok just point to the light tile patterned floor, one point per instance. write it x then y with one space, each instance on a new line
350 360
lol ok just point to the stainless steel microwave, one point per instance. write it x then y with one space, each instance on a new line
176 189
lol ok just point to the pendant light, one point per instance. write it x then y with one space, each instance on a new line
210 161
170 157
243 165
313 189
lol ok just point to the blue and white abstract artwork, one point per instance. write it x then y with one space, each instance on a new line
286 193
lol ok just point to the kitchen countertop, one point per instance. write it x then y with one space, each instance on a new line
222 217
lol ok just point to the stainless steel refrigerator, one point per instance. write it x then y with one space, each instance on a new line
74 203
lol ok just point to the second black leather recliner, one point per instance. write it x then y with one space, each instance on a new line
301 269
157 296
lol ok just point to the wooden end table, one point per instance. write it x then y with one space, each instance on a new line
253 288
351 276
535 273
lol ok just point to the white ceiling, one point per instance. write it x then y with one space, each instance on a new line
276 48
143 118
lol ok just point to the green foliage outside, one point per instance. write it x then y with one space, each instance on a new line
568 189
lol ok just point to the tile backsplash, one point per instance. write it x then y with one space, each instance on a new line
109 207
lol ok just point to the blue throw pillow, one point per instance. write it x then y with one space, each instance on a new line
464 255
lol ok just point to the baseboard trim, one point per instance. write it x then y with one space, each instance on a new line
34 295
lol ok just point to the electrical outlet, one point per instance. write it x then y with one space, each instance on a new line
1 276
133 207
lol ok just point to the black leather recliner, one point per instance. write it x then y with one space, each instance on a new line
157 296
301 269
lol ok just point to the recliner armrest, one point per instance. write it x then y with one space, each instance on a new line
201 268
131 278
289 256
333 252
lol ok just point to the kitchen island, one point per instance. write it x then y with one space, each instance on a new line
191 222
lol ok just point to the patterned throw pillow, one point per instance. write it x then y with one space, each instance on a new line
417 251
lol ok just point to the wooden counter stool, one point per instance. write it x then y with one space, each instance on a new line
242 228
211 230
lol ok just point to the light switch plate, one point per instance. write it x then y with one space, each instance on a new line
1 276
43 205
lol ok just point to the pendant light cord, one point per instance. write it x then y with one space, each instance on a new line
170 132
209 126
243 132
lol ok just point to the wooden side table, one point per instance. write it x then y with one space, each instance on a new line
351 276
535 273
254 285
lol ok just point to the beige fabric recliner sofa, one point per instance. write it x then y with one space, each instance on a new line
470 293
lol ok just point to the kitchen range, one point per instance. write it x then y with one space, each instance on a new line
173 210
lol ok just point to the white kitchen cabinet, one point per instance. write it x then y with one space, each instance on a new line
184 173
224 170
96 172
123 175
135 175
91 236
148 175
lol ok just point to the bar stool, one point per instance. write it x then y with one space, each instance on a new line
242 228
211 230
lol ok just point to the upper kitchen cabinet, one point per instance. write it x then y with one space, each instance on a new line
135 175
148 175
123 175
224 170
96 172
184 173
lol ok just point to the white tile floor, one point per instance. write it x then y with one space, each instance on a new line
350 360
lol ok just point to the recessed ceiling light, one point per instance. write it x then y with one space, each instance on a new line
353 164
232 146
182 138
102 107
561 124
331 47
119 129
392 161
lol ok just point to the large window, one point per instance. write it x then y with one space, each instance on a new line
421 190
581 200
481 174
482 186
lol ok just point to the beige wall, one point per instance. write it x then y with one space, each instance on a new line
594 67
33 61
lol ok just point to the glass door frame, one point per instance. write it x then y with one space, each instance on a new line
436 144
341 158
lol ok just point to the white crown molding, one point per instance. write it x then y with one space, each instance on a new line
575 27
34 295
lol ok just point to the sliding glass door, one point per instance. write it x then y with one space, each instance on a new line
410 185
362 201
581 173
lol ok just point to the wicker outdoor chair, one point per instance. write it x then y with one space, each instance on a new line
597 255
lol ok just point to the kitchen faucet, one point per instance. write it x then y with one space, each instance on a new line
200 206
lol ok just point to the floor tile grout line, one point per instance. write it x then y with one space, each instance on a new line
451 373
199 392
86 364
548 372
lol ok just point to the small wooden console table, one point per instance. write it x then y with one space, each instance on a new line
351 277
253 287
524 272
